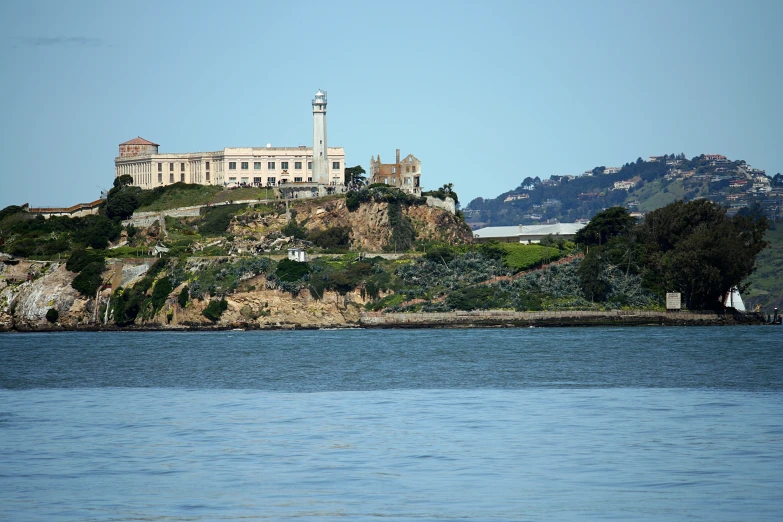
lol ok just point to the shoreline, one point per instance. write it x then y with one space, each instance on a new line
443 320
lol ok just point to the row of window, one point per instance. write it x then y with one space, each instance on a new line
271 165
171 177
245 165
171 167
270 180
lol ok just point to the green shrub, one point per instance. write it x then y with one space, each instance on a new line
215 220
80 258
183 297
292 228
403 233
215 309
290 271
52 315
89 278
160 293
335 238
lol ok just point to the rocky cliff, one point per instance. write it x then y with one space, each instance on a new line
30 289
369 224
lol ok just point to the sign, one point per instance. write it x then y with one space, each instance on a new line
673 301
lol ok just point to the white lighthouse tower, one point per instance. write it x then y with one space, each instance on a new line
320 158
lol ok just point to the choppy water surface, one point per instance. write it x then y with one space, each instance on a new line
499 424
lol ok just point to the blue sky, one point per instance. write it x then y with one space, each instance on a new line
483 93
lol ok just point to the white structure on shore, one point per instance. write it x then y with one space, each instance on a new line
237 166
527 233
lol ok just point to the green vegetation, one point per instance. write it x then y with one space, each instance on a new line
402 232
446 191
215 309
518 257
219 277
128 304
52 315
693 248
355 176
765 285
176 195
334 239
183 297
290 271
215 220
242 194
89 266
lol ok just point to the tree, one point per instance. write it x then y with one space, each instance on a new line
121 205
612 222
123 181
696 249
355 175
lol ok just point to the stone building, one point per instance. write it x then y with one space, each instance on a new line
237 166
405 174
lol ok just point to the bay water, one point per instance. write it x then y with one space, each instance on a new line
646 423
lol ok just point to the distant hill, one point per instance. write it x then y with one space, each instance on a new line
640 186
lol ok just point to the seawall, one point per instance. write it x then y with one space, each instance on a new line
481 318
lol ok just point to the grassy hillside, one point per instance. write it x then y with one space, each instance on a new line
766 283
186 195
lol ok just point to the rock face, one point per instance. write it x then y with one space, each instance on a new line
28 289
25 300
24 303
369 224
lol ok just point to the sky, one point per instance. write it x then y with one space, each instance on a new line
485 94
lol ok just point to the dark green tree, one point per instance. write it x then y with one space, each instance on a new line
355 175
612 222
696 249
121 205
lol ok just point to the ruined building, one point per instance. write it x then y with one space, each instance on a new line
405 174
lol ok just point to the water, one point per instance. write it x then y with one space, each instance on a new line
491 424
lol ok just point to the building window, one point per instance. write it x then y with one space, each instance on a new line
182 177
335 165
284 165
232 179
171 177
245 180
256 165
310 165
309 180
270 165
232 165
171 167
257 181
297 165
394 170
271 180
207 165
160 177
160 167
207 176
297 180
244 165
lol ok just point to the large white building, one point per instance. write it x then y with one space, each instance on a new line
237 166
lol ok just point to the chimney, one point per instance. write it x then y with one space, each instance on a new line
398 157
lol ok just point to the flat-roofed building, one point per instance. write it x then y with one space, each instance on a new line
236 166
527 233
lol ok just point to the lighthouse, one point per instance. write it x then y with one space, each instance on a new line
320 158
